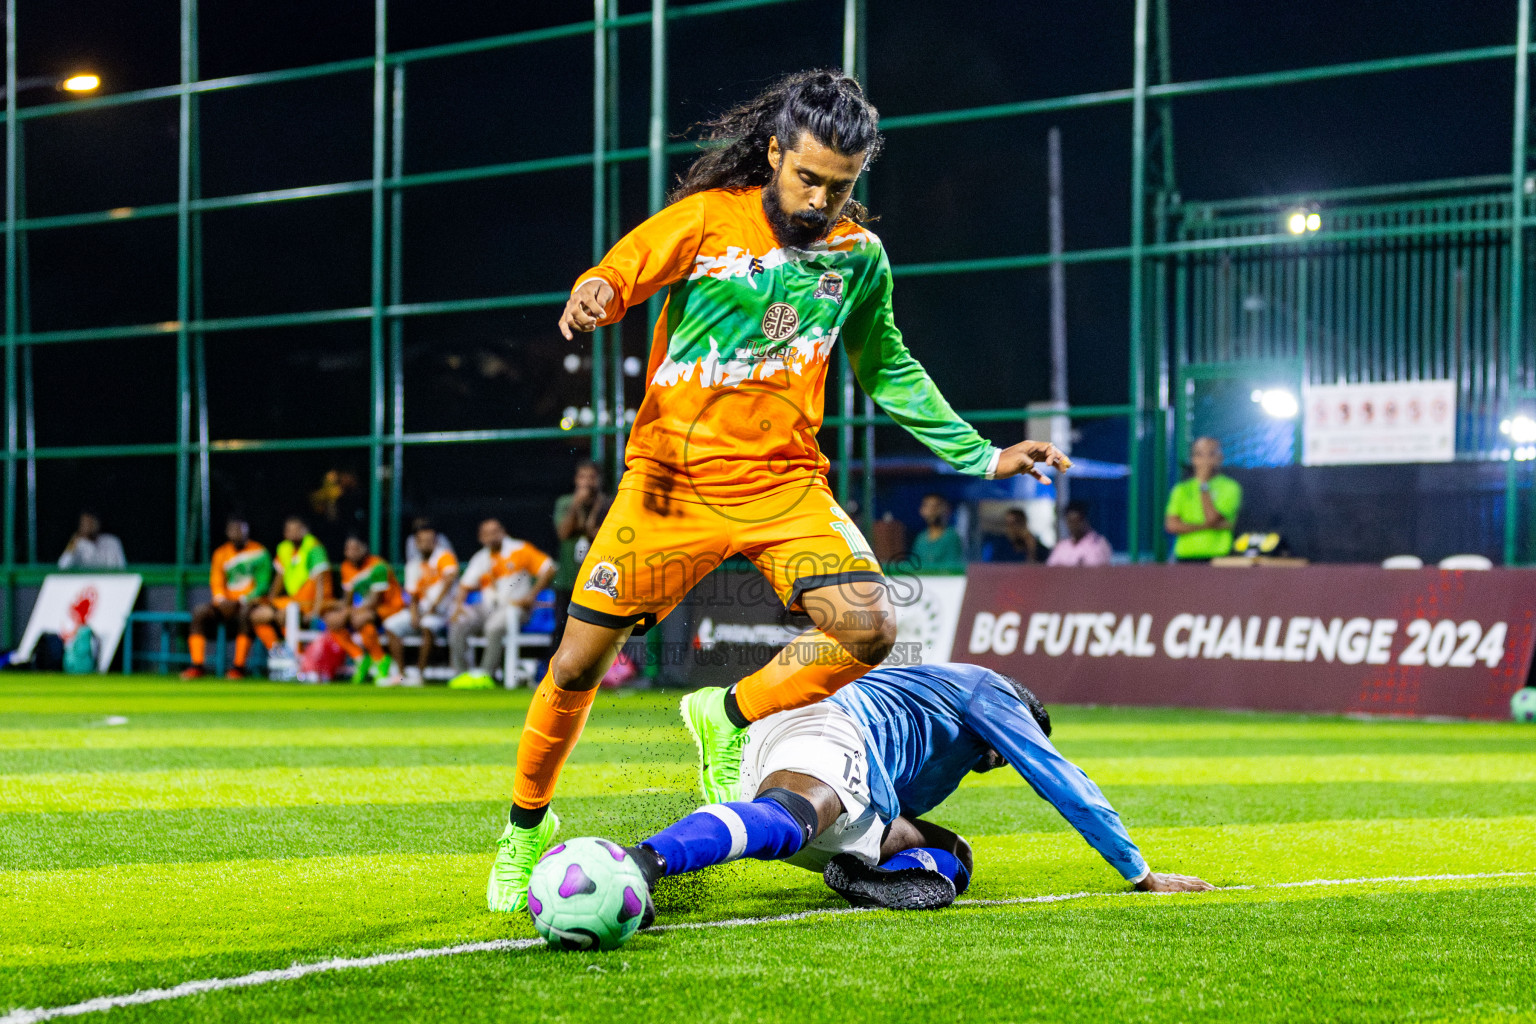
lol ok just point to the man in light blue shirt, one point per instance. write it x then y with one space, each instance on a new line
841 787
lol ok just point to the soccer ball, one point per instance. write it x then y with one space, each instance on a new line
587 893
1523 704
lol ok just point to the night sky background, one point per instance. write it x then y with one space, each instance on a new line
940 193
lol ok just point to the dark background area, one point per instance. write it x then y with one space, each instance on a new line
951 192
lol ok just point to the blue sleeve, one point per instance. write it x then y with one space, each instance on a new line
1008 726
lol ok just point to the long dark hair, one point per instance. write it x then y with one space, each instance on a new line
828 104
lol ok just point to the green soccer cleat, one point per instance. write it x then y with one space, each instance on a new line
472 681
361 671
517 851
719 743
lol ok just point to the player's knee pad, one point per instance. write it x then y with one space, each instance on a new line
798 808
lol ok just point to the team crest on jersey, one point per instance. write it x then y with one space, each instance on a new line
829 287
604 578
780 321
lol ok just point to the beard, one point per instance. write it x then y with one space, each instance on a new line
796 230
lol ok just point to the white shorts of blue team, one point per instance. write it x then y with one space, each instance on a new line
399 624
824 742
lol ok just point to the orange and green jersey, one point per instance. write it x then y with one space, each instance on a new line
240 574
737 376
301 567
426 579
373 576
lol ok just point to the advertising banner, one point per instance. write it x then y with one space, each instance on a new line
1319 638
732 624
1401 421
69 600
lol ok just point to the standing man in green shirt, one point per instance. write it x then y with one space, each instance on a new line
1202 511
938 548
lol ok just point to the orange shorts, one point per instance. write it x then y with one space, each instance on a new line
654 548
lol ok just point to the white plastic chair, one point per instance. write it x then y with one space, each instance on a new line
1403 562
1476 562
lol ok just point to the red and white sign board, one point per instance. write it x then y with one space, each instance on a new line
68 600
1337 638
1402 421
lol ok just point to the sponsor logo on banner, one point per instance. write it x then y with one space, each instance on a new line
1400 421
68 601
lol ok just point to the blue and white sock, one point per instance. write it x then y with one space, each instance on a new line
928 858
764 829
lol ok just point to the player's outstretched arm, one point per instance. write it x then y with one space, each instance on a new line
654 255
890 375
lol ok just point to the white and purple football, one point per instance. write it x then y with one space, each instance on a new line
587 893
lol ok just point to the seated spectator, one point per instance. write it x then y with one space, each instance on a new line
938 547
431 571
89 548
369 594
1017 543
500 572
303 577
1202 510
240 574
1082 545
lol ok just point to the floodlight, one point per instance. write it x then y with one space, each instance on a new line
1297 223
1520 429
1278 402
1314 221
83 82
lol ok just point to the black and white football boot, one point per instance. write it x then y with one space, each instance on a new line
901 889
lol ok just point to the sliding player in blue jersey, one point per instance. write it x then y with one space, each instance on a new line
841 787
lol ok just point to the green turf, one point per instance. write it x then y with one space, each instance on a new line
232 827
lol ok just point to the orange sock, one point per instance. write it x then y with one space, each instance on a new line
370 637
242 650
349 645
554 723
267 635
197 646
812 667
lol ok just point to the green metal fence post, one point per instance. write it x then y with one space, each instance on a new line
396 324
845 369
600 339
376 278
184 293
1137 261
12 170
656 145
28 381
611 228
1511 360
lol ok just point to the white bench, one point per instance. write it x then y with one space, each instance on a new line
515 669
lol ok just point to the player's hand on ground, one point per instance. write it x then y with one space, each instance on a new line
1155 882
587 305
1026 456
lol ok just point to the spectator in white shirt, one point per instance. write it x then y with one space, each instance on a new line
1082 545
89 548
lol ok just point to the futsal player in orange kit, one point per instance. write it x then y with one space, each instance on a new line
765 268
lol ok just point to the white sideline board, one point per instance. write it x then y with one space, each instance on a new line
103 600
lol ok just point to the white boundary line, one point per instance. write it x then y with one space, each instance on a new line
192 988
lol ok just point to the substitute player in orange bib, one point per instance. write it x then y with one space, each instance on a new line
765 266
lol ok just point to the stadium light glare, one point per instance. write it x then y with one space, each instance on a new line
1314 221
83 82
1278 402
1297 223
1519 429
